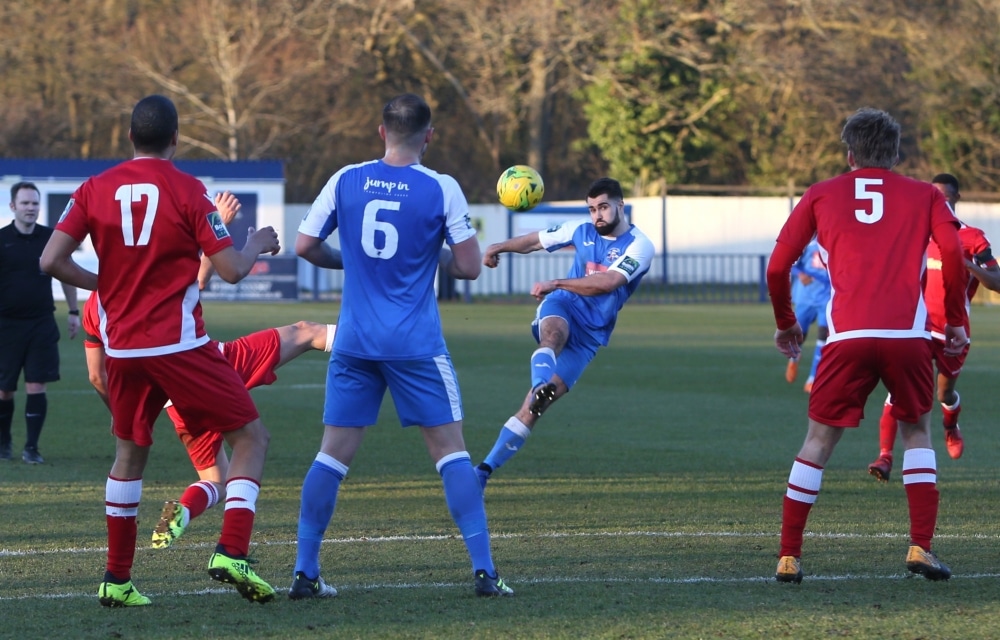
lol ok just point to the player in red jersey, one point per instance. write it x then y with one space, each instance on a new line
150 223
979 256
872 226
255 357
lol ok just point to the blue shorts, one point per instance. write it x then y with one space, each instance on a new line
580 348
425 392
808 314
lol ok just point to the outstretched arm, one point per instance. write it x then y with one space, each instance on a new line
527 243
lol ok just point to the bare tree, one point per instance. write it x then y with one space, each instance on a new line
240 70
58 93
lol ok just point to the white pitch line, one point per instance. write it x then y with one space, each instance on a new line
90 392
9 553
518 582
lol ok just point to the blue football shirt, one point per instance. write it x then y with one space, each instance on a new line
392 223
816 293
630 254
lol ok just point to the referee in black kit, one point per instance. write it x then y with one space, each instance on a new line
28 329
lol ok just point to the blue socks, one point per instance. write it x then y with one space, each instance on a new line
464 497
462 493
319 498
509 442
543 366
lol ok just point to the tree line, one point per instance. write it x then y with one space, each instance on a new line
661 95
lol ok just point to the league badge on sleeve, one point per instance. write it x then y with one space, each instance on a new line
218 226
628 265
69 205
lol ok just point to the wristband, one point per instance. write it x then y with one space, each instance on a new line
74 312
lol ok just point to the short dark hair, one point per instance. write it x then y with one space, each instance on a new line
606 187
17 186
154 123
406 115
946 178
872 136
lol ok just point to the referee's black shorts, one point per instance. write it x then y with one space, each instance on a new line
31 345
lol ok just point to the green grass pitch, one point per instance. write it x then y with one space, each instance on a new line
646 504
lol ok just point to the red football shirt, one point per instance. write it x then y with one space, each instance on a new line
974 243
873 226
149 221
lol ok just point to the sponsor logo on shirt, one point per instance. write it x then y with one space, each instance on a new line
593 267
69 205
629 265
218 226
385 185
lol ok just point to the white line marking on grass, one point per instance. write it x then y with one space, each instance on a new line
8 553
516 582
90 392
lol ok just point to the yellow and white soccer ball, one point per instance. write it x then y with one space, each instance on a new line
520 188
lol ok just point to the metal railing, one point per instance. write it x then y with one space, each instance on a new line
673 278
678 278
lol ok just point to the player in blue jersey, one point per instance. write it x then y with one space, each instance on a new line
810 295
577 314
394 216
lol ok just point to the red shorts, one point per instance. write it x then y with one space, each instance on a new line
850 370
948 366
202 384
254 358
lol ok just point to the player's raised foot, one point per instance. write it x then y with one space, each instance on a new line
171 525
237 572
303 587
789 570
791 371
487 587
112 594
543 397
953 441
483 472
808 386
926 564
881 468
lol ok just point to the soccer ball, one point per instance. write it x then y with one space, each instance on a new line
520 188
